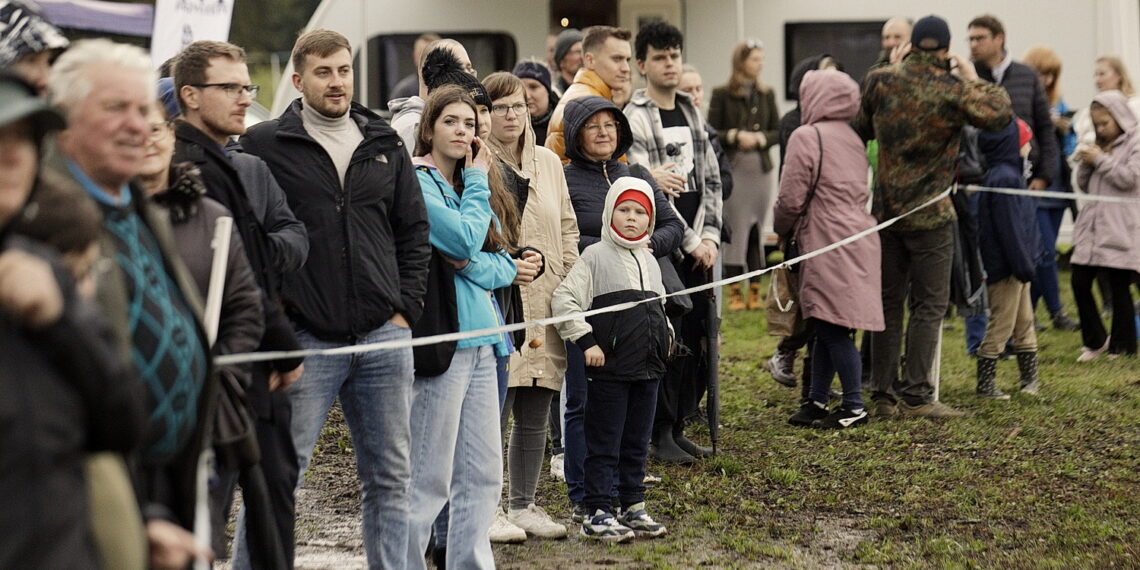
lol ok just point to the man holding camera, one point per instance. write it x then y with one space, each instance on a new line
669 139
916 109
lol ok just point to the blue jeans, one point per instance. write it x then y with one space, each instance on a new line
573 428
975 331
1046 283
456 453
502 371
375 391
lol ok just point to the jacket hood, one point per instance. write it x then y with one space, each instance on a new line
800 70
579 110
1001 148
25 32
621 185
1117 105
405 105
828 95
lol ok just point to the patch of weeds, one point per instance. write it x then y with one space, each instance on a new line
783 476
882 552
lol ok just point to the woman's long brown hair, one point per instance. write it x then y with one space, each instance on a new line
738 79
503 235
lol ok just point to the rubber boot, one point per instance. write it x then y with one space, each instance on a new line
667 450
688 446
754 301
987 385
1027 364
735 297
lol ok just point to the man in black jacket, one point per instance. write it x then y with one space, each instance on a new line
995 64
348 177
211 84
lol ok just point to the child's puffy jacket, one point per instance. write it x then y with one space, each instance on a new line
636 340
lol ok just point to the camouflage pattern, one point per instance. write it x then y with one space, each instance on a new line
916 110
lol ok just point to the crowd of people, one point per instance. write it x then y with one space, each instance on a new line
549 190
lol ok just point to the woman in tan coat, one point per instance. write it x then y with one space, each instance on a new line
550 226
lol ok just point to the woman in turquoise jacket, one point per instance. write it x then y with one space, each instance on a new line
456 449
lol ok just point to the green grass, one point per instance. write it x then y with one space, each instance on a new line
1047 482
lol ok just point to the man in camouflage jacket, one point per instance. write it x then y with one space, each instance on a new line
916 109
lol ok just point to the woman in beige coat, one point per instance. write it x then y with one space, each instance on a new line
550 226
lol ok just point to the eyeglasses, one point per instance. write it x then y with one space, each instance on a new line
593 128
158 130
501 110
232 90
754 44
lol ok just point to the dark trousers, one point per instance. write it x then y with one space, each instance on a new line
835 352
919 260
1045 282
279 466
1123 314
619 416
686 377
573 436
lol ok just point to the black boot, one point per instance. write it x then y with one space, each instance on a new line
1027 364
987 386
667 450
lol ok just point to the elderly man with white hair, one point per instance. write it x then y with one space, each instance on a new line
106 91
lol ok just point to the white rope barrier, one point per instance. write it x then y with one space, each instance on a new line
452 337
1078 196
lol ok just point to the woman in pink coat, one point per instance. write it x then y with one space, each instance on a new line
839 290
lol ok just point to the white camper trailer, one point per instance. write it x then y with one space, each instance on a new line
499 32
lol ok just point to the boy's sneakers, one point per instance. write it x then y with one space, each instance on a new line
842 418
580 513
558 466
504 531
640 522
534 520
605 527
809 412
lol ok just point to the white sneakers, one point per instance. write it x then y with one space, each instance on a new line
534 521
558 466
503 531
514 526
1090 354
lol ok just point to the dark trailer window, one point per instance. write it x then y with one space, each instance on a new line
854 44
390 59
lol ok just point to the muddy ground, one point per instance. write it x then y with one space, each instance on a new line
329 533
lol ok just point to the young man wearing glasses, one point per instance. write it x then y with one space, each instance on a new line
211 85
670 140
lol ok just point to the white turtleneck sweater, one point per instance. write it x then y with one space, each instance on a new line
339 136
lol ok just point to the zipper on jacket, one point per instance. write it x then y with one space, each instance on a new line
606 174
